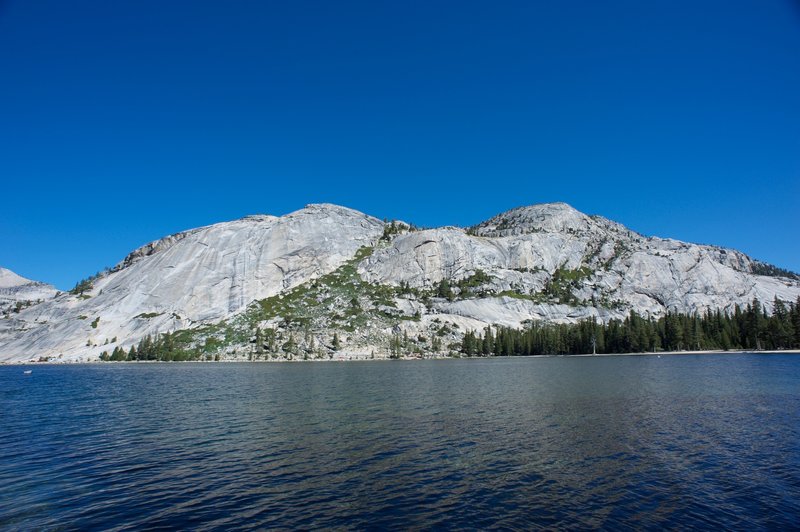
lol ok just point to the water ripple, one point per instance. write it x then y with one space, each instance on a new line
614 443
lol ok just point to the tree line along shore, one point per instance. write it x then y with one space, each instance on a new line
749 328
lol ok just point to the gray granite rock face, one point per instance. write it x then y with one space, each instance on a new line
620 270
602 269
199 276
15 289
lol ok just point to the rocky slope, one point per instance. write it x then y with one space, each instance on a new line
546 254
330 282
17 292
200 276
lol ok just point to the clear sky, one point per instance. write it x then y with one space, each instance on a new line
124 121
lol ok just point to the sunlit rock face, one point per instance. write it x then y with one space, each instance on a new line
17 291
542 262
198 276
616 269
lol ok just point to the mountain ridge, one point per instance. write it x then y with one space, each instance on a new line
372 279
17 292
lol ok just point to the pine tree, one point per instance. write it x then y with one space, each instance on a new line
795 319
488 342
445 290
259 349
468 343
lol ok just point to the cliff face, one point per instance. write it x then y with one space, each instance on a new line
334 269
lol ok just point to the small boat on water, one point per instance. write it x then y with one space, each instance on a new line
27 371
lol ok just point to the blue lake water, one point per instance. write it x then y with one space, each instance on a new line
606 442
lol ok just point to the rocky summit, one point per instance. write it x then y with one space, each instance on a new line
329 282
17 292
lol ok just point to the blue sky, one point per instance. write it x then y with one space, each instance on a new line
121 122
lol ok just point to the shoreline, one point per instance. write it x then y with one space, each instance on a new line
584 355
708 352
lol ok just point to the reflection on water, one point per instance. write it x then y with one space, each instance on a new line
549 442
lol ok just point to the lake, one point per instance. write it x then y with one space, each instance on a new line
606 442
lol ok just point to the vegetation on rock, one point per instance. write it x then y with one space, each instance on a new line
750 328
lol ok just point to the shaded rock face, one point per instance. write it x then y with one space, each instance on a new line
542 262
17 291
